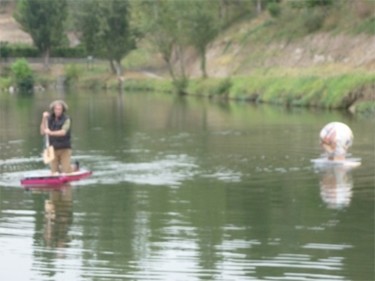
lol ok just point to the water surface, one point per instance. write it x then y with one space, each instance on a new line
185 189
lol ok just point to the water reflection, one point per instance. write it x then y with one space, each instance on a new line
58 217
336 185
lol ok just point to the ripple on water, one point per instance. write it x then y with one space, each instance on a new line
170 170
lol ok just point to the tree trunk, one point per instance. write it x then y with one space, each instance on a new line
119 73
259 6
170 67
46 59
119 68
203 62
181 59
112 65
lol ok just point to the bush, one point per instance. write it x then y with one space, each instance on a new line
22 75
224 87
72 73
4 50
17 50
313 20
315 3
310 3
180 84
366 26
5 82
274 9
27 51
67 52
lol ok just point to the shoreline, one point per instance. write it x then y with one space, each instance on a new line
351 90
354 93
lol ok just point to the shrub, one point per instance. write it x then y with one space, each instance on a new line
67 52
223 87
366 26
27 51
22 51
22 75
5 82
274 9
72 73
315 3
4 50
180 84
313 20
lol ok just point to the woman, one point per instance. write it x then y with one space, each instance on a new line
336 138
57 126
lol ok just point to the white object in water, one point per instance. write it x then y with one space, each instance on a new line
325 162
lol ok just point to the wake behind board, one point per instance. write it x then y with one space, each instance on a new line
325 162
55 179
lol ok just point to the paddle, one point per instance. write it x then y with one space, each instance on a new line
49 152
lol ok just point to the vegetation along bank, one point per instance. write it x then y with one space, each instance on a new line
315 53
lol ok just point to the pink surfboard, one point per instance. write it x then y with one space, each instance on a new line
55 179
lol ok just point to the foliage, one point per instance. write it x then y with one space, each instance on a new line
274 9
309 3
366 108
69 52
315 3
203 26
366 26
105 30
72 73
5 82
339 91
180 84
43 20
26 51
162 23
22 75
213 87
149 85
313 20
4 51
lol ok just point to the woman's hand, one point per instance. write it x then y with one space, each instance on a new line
47 132
45 114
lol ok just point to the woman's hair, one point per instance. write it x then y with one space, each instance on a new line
56 102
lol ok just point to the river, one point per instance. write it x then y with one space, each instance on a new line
185 189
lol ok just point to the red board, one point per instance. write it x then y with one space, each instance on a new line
55 180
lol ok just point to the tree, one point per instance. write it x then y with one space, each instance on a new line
163 23
173 26
44 21
105 30
203 23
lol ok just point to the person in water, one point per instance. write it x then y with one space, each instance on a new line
335 139
56 124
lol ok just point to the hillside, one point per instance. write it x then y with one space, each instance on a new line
344 41
9 29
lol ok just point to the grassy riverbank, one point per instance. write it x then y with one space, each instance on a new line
323 87
345 91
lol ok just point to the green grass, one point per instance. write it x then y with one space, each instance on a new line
365 108
149 85
339 91
5 82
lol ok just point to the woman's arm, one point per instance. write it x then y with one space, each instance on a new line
59 133
43 123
